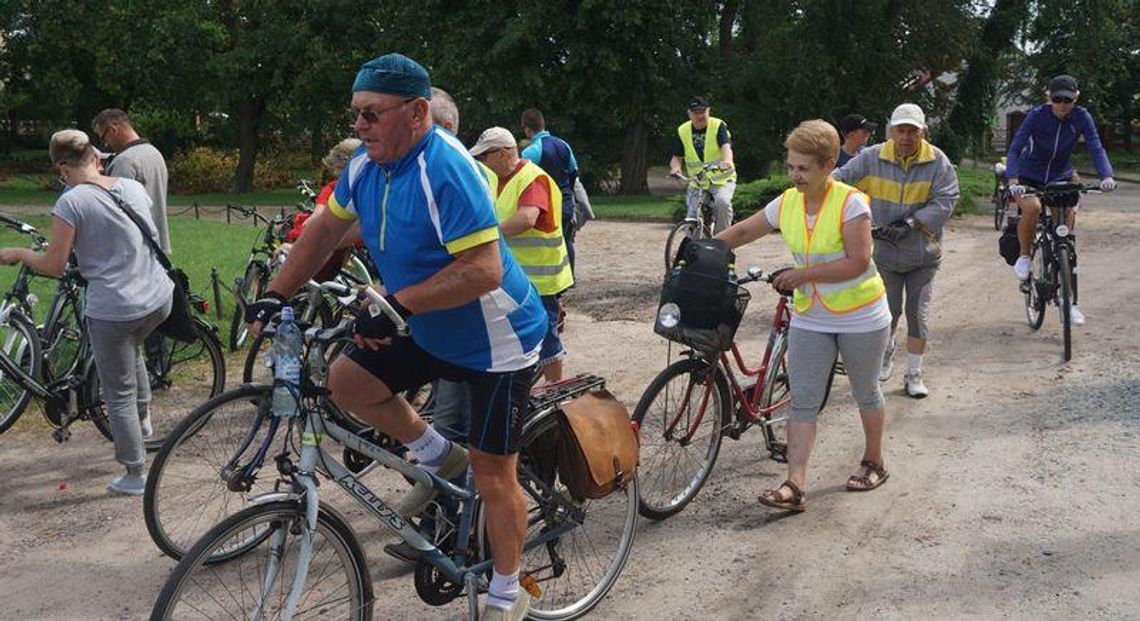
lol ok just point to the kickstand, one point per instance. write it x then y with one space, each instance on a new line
471 582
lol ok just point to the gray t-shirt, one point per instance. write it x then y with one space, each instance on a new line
145 164
124 278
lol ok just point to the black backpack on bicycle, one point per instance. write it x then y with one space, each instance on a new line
701 304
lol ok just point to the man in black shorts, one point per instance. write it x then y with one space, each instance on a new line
425 213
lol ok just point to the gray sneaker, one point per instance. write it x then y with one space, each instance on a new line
127 485
912 382
415 501
516 613
888 367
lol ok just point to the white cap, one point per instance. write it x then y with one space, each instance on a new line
493 138
908 114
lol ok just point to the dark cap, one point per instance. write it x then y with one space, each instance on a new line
393 74
1063 86
698 103
852 122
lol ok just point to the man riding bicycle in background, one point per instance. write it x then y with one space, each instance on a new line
704 139
1039 155
426 214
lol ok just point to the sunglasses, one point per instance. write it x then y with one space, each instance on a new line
1063 100
373 116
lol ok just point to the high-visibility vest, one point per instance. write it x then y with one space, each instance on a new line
492 179
693 162
823 243
541 254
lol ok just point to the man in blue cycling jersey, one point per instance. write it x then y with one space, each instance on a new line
425 213
1039 154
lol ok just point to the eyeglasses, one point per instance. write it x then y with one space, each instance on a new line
1063 100
373 116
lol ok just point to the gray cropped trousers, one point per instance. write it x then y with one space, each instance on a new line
810 356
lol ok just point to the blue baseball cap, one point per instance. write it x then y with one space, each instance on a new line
393 74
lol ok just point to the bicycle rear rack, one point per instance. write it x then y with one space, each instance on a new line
543 397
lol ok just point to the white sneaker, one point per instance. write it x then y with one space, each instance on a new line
888 366
147 428
1021 268
1076 316
912 382
516 613
127 485
415 501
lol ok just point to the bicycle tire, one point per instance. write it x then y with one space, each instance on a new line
1034 285
185 494
180 380
1065 291
681 230
775 393
661 451
199 588
21 344
999 203
253 284
62 337
590 557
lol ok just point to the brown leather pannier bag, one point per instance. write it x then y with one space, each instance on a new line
597 448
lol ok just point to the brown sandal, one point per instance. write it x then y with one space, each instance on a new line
863 482
771 498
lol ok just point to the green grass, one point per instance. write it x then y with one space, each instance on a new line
975 186
1124 163
635 207
199 245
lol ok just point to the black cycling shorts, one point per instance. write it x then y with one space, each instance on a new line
498 400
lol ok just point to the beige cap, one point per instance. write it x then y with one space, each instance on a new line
493 138
908 114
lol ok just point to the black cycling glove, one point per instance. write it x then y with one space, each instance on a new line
264 307
373 323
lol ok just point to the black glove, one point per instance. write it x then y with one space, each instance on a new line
372 323
894 231
264 307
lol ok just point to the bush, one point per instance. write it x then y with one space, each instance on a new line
749 198
204 170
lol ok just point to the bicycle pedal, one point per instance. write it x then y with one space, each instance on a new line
531 585
61 434
778 452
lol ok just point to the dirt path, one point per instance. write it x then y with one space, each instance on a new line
1014 492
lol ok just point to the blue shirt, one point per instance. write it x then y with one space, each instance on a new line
555 156
415 215
1043 144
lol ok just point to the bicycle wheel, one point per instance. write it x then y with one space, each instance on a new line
681 230
576 570
258 583
182 377
1064 304
185 491
681 416
62 337
776 396
1033 287
21 345
999 203
253 284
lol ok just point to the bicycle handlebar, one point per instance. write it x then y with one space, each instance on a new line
1083 188
705 168
38 240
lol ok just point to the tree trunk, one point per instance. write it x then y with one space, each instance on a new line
633 156
727 19
251 109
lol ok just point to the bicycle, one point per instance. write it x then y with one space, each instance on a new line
258 268
710 403
301 534
1053 255
699 227
1000 199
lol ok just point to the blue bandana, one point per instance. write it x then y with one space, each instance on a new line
393 74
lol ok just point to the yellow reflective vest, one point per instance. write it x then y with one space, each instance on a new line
823 243
541 254
693 162
492 179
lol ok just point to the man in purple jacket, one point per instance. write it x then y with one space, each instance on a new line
1039 154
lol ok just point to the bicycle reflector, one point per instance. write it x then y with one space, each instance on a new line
669 315
203 306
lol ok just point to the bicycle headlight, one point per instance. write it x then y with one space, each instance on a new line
1062 230
669 315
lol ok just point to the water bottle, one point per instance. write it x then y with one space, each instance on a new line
286 365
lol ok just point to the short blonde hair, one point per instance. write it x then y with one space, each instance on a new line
71 147
339 155
816 138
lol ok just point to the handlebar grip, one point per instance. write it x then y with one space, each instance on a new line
374 297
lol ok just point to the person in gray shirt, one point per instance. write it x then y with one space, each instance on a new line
135 159
128 292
